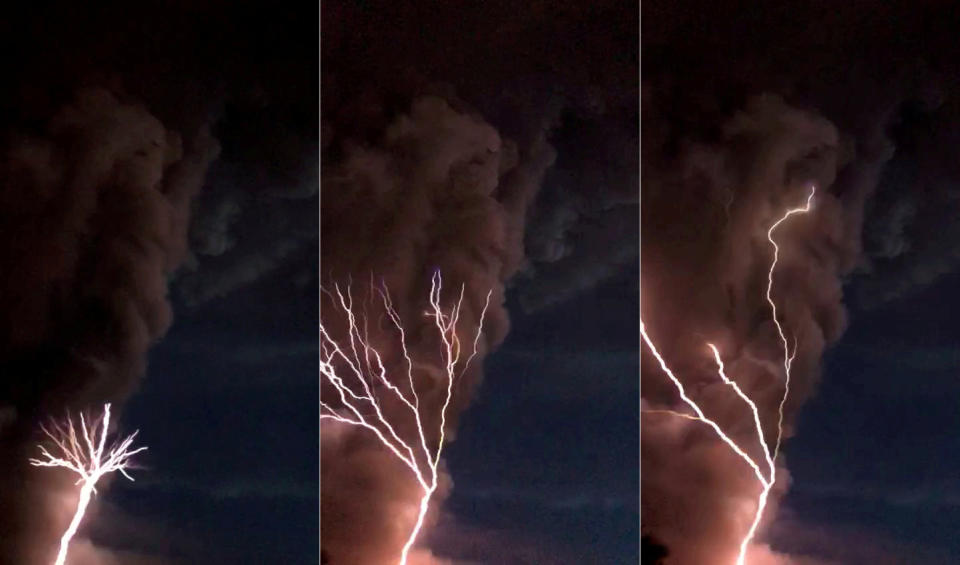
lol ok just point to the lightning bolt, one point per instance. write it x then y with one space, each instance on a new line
86 458
787 356
362 364
768 480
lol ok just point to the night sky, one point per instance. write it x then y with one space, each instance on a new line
504 156
743 108
160 196
874 457
577 169
161 181
229 411
546 458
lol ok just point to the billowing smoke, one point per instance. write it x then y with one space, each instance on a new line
258 213
442 156
95 212
705 259
443 191
733 134
111 116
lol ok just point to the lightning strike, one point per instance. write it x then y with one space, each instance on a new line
769 456
363 366
787 356
86 458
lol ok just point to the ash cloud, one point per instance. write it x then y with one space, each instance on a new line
442 191
583 224
913 236
703 276
95 211
741 110
258 216
111 118
447 157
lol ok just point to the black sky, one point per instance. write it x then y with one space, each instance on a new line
229 411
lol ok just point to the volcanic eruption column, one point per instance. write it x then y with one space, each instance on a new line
366 372
769 480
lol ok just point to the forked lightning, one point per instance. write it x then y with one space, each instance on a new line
364 369
768 480
83 454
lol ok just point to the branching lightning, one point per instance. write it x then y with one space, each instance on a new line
86 458
787 356
768 480
364 368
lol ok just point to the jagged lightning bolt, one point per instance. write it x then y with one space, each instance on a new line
86 459
766 481
364 367
787 356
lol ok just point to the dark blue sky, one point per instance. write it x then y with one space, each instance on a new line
229 404
544 465
546 459
229 409
876 452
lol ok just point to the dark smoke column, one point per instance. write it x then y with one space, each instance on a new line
94 206
437 190
708 203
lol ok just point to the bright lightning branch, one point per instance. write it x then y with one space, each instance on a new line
768 478
86 454
356 372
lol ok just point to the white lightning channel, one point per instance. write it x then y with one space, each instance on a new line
769 456
85 458
787 356
364 368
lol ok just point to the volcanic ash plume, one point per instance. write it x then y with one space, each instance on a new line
94 206
439 191
705 257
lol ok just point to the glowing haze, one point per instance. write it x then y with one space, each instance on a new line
85 453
